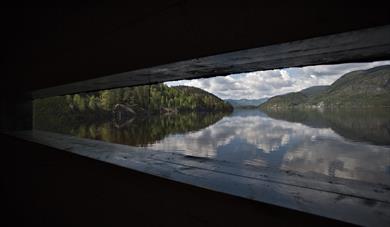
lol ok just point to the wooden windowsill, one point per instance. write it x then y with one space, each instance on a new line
346 200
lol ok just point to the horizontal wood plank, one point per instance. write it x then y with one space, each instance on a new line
350 201
355 46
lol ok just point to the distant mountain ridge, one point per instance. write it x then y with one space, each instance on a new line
315 90
246 103
356 89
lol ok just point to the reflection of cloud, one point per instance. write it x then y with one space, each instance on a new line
268 83
199 143
260 140
264 133
340 159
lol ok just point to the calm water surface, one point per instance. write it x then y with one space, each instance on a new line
352 145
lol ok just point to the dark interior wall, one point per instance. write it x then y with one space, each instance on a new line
52 46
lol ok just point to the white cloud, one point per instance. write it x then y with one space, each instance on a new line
259 84
284 74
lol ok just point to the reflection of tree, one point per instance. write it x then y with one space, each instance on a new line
139 130
367 125
122 124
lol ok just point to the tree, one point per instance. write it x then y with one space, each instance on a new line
92 103
106 100
79 102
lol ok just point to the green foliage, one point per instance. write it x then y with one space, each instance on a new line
79 102
289 100
92 103
141 131
140 100
105 100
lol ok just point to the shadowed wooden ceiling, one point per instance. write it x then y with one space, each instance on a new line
46 47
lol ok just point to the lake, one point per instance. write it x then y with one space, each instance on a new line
341 144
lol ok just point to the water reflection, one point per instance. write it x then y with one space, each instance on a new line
353 145
366 125
137 131
251 137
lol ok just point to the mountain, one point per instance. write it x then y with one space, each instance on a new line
363 88
288 100
357 89
199 99
123 103
315 90
246 103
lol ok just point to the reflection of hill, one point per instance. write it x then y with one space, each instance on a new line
140 131
250 139
371 125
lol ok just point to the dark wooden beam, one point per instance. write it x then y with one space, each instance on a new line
356 46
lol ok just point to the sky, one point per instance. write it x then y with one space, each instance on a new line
261 84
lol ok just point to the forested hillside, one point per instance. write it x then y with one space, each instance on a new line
140 100
358 89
